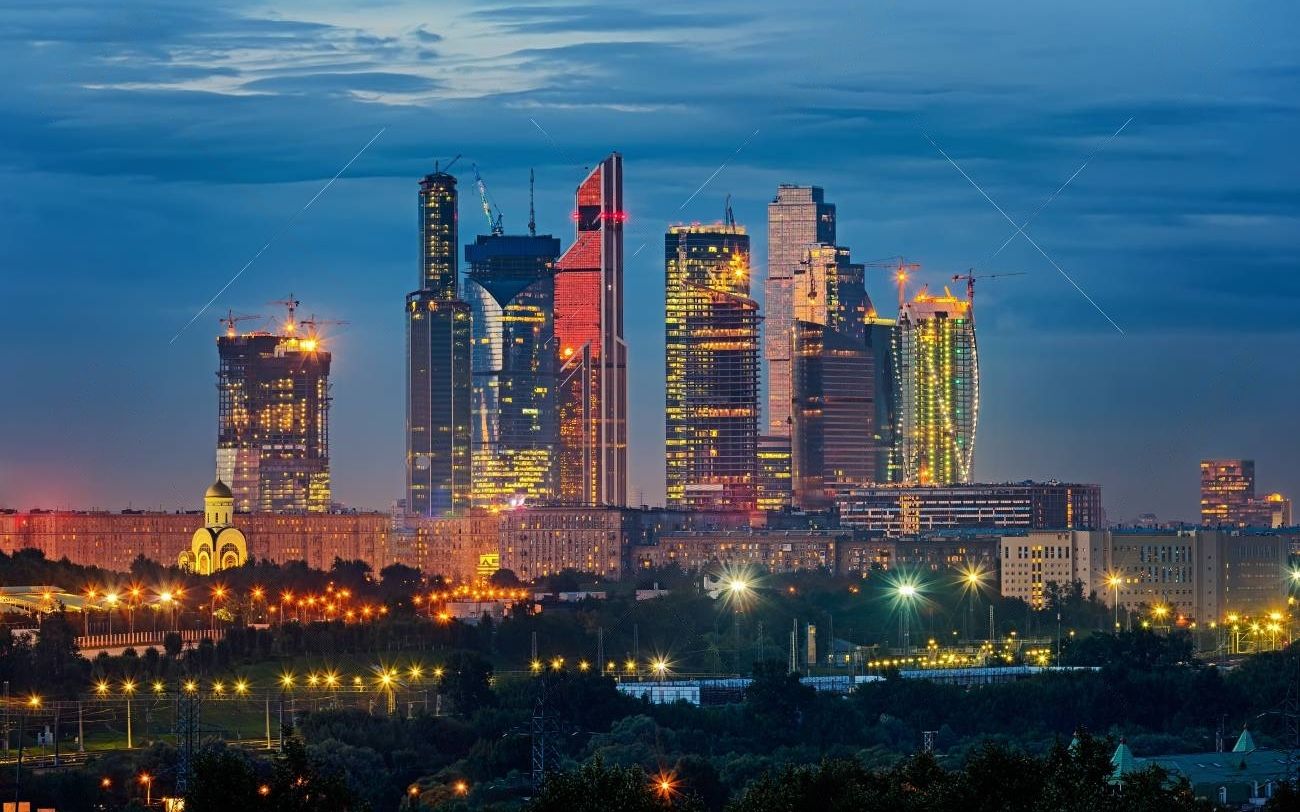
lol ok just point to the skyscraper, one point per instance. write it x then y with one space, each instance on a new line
885 450
937 368
711 354
797 218
438 363
832 385
591 388
510 289
273 420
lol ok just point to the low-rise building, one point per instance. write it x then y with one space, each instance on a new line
772 550
901 510
1030 562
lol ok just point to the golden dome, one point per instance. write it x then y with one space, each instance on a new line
219 490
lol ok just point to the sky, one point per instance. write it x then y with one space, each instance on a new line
150 148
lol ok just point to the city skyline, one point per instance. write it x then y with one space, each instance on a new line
1099 408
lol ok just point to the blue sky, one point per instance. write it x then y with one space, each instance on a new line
149 148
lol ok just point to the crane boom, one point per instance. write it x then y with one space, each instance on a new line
494 223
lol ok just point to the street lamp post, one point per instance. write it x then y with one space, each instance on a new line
1113 581
907 593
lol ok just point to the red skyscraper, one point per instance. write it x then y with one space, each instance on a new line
592 382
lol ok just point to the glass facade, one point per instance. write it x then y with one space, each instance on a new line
937 367
591 387
711 358
1227 489
510 290
438 363
773 491
797 218
833 441
273 422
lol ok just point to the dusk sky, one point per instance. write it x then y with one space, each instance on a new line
150 148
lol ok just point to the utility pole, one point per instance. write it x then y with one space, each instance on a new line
600 636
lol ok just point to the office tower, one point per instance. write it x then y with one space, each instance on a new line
438 363
937 365
830 289
773 484
591 388
711 354
273 420
833 438
880 344
510 289
797 218
1227 488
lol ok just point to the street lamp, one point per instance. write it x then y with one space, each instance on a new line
906 593
147 781
111 600
1113 581
128 689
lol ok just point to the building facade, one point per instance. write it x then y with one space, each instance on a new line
591 387
711 359
776 551
1228 497
438 379
218 544
797 218
898 510
510 289
773 491
937 410
1028 564
454 547
273 398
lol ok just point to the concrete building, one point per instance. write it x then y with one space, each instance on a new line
933 553
1199 575
273 398
455 547
772 550
1028 563
898 510
540 541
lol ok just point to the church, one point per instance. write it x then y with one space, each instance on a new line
218 545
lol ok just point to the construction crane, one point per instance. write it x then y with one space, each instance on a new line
446 168
290 303
532 213
901 268
494 223
312 323
970 278
231 320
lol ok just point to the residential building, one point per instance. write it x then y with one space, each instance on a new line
1029 563
937 409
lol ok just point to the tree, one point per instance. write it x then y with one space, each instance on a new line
505 578
595 787
173 644
467 683
55 658
224 778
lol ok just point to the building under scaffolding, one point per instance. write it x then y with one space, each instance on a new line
711 354
273 420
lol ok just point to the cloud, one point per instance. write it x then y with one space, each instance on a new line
602 18
344 83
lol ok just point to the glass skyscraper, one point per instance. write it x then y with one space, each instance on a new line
711 355
591 387
937 411
797 218
438 363
510 289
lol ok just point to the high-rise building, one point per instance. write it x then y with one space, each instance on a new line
510 289
273 420
833 442
711 358
832 437
797 218
907 510
591 387
885 451
937 367
773 491
438 383
1227 487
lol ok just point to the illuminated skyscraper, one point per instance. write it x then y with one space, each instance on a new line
797 218
273 420
591 389
711 354
885 450
832 379
937 368
438 363
511 293
773 476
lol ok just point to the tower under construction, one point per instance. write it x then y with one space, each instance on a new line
711 357
273 418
